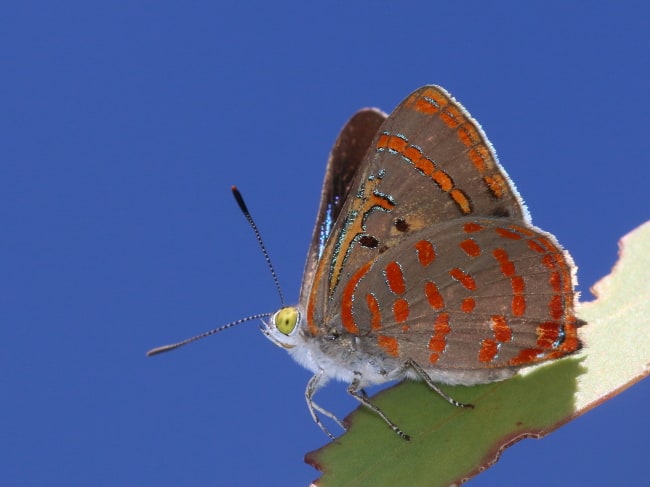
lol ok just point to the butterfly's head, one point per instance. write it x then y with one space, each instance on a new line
282 329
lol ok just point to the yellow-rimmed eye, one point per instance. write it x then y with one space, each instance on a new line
285 320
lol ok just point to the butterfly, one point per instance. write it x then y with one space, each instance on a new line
423 263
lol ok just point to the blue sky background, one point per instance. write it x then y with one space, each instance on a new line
123 125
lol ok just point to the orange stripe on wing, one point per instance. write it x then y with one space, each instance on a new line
347 299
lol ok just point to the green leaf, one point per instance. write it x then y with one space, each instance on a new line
464 442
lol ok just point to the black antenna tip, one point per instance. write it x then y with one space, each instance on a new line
240 199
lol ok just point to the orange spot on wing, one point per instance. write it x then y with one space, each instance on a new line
470 247
401 310
412 153
548 334
472 227
463 278
526 231
488 351
518 305
389 344
443 180
433 295
518 285
451 116
375 313
496 185
425 251
555 281
395 278
424 164
468 135
397 144
461 200
526 356
441 328
502 331
382 142
429 102
477 159
507 266
535 247
467 306
505 233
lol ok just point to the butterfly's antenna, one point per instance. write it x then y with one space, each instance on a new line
251 222
173 346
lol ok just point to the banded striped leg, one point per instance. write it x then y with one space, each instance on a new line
354 391
313 385
425 377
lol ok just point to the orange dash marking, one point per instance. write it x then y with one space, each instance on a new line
438 341
433 295
477 159
347 299
502 331
489 350
535 247
470 247
395 278
496 184
451 116
413 154
389 344
555 281
426 252
507 266
468 305
548 261
505 233
468 135
461 200
463 278
375 314
526 356
518 305
548 334
472 227
443 180
526 231
424 164
401 310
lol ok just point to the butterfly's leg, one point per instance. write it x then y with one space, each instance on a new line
354 391
425 377
315 383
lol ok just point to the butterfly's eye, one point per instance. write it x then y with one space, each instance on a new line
285 320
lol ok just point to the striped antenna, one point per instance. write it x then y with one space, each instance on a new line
242 206
173 346
251 222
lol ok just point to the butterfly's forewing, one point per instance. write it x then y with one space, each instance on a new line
343 164
413 176
429 167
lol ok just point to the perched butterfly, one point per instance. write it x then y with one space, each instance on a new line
424 263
